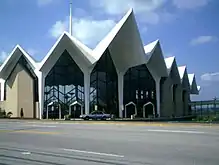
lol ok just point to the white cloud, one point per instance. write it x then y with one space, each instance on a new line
3 56
210 76
90 30
32 52
146 10
58 28
45 2
87 30
202 40
190 4
114 7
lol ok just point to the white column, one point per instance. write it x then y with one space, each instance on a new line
87 91
60 112
157 80
2 89
41 82
120 93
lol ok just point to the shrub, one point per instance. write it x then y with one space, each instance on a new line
2 113
9 114
67 117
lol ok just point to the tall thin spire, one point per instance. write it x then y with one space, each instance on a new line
70 18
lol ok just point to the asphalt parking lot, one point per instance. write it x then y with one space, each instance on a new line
28 142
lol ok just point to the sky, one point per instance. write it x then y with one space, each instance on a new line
187 29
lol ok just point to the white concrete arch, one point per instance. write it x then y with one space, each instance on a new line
79 53
124 43
193 85
9 64
144 108
75 103
154 55
184 78
171 65
128 104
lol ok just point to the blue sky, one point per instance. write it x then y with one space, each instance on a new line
187 29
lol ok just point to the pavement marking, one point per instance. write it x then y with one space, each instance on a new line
34 132
175 131
4 131
25 153
41 126
94 153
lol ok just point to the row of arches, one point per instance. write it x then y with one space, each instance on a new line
148 110
64 85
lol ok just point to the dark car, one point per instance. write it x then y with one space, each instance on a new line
95 115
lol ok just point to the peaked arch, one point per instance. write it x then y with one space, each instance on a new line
19 72
11 61
184 78
172 69
104 85
79 52
154 56
170 94
193 85
64 84
124 43
185 89
199 88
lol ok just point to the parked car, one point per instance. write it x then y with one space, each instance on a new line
95 115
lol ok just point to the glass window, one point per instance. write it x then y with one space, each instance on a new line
104 81
62 88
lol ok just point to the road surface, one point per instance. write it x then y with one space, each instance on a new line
23 142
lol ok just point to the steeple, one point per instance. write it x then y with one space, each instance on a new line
70 18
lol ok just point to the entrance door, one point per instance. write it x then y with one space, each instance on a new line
130 109
148 110
76 111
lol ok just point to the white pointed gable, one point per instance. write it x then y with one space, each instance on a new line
79 52
191 78
124 44
149 48
155 59
8 65
199 88
184 77
169 62
182 70
172 69
193 85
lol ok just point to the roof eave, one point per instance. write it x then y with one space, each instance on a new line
156 58
65 37
12 57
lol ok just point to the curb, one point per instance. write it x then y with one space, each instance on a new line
136 123
110 122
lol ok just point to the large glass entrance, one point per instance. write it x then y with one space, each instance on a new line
140 88
104 86
64 85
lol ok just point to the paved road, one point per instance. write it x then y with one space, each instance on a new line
24 142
